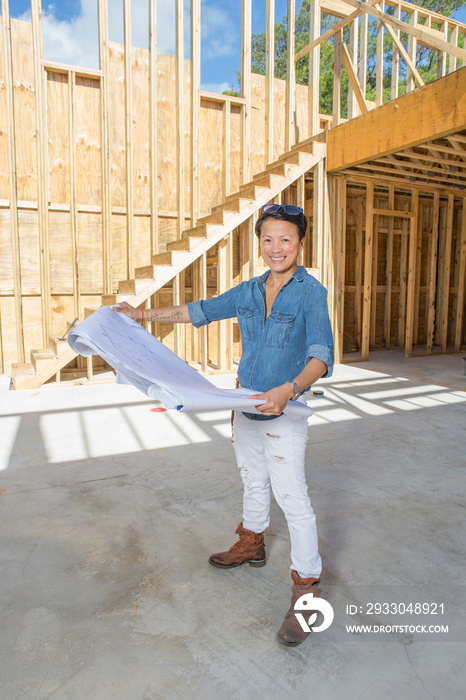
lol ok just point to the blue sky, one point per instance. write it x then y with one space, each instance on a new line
70 31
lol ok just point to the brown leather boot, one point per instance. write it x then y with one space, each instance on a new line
291 633
250 549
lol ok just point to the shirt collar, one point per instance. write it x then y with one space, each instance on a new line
299 274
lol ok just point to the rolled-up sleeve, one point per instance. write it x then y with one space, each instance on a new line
215 309
318 329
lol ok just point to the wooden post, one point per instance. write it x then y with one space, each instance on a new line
290 103
446 275
154 218
180 199
442 56
358 269
314 69
300 197
410 310
203 295
222 343
454 41
432 274
339 253
459 325
246 21
13 203
417 288
106 203
40 89
389 270
195 108
129 139
366 309
375 255
403 283
318 217
269 78
337 80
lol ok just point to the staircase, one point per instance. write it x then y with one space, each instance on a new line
235 210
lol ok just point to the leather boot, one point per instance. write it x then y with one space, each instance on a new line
291 633
250 549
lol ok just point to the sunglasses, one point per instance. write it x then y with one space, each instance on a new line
289 209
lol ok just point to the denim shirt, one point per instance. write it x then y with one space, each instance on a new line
274 350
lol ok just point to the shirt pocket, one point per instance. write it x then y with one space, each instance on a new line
246 322
278 329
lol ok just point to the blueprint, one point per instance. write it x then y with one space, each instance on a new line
142 360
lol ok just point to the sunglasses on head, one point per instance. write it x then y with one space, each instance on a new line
289 209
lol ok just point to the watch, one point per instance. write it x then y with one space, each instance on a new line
297 390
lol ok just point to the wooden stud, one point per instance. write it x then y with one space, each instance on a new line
106 204
180 199
442 56
195 109
129 139
396 59
459 314
314 69
389 271
222 343
339 253
153 194
73 196
290 102
379 64
352 55
13 202
40 89
366 311
358 269
401 49
403 283
246 22
412 51
417 288
411 292
226 149
363 53
300 192
337 80
446 276
432 277
269 79
375 255
203 295
454 41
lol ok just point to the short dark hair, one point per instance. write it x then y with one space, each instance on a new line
299 221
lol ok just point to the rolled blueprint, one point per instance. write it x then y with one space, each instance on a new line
142 360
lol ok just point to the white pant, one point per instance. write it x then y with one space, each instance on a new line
271 453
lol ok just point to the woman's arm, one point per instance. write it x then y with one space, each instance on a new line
170 314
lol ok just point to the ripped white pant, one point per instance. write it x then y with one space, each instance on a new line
271 454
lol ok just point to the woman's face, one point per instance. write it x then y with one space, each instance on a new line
280 245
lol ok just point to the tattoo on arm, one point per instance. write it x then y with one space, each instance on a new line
164 316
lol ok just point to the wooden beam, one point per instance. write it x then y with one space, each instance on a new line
403 283
226 150
433 111
269 79
332 31
353 78
154 218
412 50
369 239
459 314
73 196
379 65
13 199
395 78
410 308
389 271
363 53
426 38
404 53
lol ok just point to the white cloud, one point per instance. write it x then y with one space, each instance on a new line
218 88
219 32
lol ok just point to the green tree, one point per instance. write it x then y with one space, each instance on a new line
427 59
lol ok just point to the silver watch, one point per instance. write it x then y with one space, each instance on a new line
297 390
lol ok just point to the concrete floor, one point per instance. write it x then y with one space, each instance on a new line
108 514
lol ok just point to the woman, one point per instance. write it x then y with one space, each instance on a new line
286 346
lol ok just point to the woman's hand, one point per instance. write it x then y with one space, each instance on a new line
128 310
275 400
